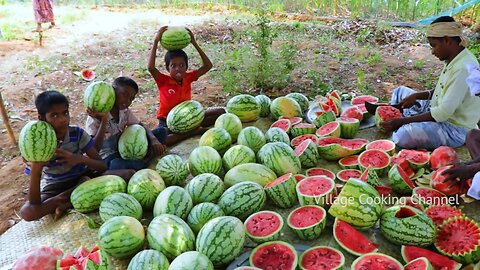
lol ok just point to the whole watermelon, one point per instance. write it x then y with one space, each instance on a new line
185 117
245 107
173 200
133 143
145 185
37 141
284 106
120 204
191 260
205 187
201 214
149 259
264 103
218 138
173 170
175 38
121 237
204 159
99 96
231 123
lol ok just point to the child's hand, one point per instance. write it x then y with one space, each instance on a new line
160 32
191 36
158 148
67 157
97 115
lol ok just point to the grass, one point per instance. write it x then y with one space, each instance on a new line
71 17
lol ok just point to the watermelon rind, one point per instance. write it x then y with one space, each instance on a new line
120 204
121 237
231 123
312 231
252 172
145 185
149 259
236 155
133 143
370 176
393 264
99 96
359 239
175 38
327 131
438 261
252 137
204 159
218 138
332 148
201 214
283 256
324 118
37 141
301 99
302 129
320 264
348 126
321 199
283 194
275 235
191 260
242 199
419 264
398 180
298 140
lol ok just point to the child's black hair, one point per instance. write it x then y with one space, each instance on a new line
124 81
47 100
446 19
173 54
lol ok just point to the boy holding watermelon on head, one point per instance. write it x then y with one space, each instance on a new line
175 87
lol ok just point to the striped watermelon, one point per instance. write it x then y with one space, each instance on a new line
228 234
99 96
316 190
245 107
191 260
337 148
282 191
350 162
88 195
331 129
264 103
321 257
149 259
231 123
173 200
352 240
298 140
120 204
121 237
37 141
283 124
324 118
175 38
439 262
201 214
252 172
280 158
252 137
399 180
205 187
307 153
263 226
185 116
376 261
170 235
284 106
276 134
379 160
302 129
204 159
274 255
173 170
242 199
217 138
133 143
145 185
301 99
307 222
236 155
348 126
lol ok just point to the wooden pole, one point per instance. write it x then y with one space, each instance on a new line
6 120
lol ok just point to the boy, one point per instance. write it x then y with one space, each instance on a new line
445 115
69 164
175 87
107 127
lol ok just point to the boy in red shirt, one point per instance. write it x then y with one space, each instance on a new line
175 87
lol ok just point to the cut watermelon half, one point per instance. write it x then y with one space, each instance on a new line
307 221
293 120
319 172
351 239
282 191
410 201
439 262
353 112
419 264
87 74
378 159
299 139
377 261
385 145
440 213
321 257
274 255
350 162
399 180
283 124
345 175
263 226
429 196
331 129
316 190
362 99
416 158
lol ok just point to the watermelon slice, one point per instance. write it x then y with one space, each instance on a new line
351 239
429 196
376 261
307 221
320 171
84 259
440 213
323 118
439 262
293 120
335 94
321 257
345 175
419 264
298 140
370 176
353 112
416 158
331 129
379 160
448 188
274 255
283 124
87 74
399 180
263 226
362 99
443 156
384 191
385 145
316 190
350 162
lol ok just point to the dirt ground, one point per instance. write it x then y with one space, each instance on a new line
92 41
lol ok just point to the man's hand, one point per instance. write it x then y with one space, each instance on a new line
97 115
160 32
459 174
67 157
408 101
191 36
392 124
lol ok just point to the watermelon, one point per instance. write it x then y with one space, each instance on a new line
284 106
320 171
173 170
231 123
331 129
385 113
173 200
274 255
416 158
205 159
201 214
336 94
229 235
236 155
308 221
399 180
302 129
293 120
450 187
83 259
407 225
298 140
87 196
252 172
439 262
280 158
217 138
185 117
321 257
120 204
440 213
353 112
307 153
348 126
205 187
403 163
282 191
324 118
133 143
301 99
247 268
87 74
175 38
242 199
144 186
379 160
263 226
419 264
245 107
352 240
330 104
264 103
283 124
170 235
361 100
350 162
337 148
358 204
299 177
149 259
429 196
252 137
276 134
191 260
99 97
442 156
121 237
345 175
41 258
385 145
315 190
376 261
412 202
37 141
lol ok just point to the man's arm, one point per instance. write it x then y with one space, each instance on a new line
153 54
35 177
207 64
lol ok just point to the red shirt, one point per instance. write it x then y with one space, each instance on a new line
170 93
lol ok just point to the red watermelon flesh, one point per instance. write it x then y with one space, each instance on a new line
384 145
320 171
87 74
440 213
376 261
283 124
344 175
347 119
302 147
43 258
448 188
279 180
443 156
351 239
263 224
352 144
439 262
349 161
299 177
375 158
322 258
274 255
335 94
405 177
430 196
81 258
362 108
360 100
459 236
418 264
315 185
327 129
353 112
387 112
306 216
403 163
384 190
293 120
299 139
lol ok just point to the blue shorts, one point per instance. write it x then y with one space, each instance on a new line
161 131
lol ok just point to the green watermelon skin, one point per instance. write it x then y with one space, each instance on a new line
133 143
301 99
205 187
348 127
201 214
253 172
99 96
252 137
120 204
191 260
185 117
173 200
276 134
228 232
245 107
236 155
396 181
37 141
87 196
218 138
324 118
149 259
205 159
121 237
173 170
170 235
231 123
145 185
284 106
264 103
419 264
175 38
242 199
283 194
310 232
280 158
302 129
309 156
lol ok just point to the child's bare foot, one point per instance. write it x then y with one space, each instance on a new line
61 210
